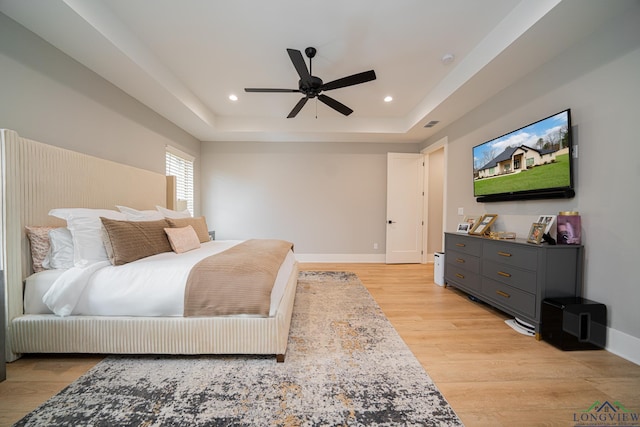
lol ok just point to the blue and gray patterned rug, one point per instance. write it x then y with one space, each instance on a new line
345 366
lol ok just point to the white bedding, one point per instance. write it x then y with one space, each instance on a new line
150 287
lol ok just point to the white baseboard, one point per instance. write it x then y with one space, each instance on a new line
623 345
346 258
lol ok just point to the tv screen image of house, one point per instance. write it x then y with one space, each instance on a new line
528 161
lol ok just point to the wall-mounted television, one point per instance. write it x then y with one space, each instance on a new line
532 162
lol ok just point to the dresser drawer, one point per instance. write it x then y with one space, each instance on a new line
522 279
509 297
464 244
455 275
462 260
510 254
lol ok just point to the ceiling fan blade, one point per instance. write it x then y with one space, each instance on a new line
338 106
299 64
354 79
253 89
297 108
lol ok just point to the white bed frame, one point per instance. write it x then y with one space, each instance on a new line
36 178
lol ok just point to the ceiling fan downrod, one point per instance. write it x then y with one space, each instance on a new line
311 53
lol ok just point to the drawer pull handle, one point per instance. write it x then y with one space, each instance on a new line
503 274
503 294
462 245
460 260
459 276
507 254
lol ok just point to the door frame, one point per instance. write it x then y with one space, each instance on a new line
441 143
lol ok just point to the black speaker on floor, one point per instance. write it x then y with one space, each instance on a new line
574 323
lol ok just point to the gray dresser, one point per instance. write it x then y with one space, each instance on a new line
513 275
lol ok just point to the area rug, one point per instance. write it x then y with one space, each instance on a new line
345 366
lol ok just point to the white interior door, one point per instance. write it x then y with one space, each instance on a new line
405 173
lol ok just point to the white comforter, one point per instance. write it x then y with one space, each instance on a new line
151 287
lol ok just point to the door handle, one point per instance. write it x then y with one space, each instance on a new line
391 222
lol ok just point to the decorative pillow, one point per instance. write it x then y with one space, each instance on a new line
127 241
136 215
60 254
39 242
183 239
168 213
86 230
199 224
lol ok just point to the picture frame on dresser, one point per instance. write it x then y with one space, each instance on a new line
536 232
482 226
471 219
463 227
548 220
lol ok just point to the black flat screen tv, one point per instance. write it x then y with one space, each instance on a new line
533 162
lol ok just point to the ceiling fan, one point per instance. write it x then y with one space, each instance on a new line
312 86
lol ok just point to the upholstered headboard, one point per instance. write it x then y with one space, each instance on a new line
37 177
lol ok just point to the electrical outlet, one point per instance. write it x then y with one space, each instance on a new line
460 211
375 246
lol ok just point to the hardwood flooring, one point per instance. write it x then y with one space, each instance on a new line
490 374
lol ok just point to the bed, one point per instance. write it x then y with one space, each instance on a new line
38 178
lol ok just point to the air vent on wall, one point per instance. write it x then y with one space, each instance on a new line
432 123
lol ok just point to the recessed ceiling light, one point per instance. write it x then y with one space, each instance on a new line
233 97
388 98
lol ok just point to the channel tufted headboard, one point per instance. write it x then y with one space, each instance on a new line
37 177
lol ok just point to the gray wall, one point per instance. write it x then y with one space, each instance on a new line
599 80
252 190
326 198
47 96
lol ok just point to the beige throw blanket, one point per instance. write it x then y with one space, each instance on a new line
236 281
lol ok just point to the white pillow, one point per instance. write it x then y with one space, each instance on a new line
168 213
136 215
60 255
86 231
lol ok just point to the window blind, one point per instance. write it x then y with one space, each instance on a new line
180 165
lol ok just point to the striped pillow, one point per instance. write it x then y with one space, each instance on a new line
128 241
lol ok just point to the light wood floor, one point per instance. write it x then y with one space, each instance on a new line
491 375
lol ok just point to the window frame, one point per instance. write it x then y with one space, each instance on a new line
181 165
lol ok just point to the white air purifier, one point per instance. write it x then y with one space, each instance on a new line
438 268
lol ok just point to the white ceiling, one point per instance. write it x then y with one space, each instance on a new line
183 58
